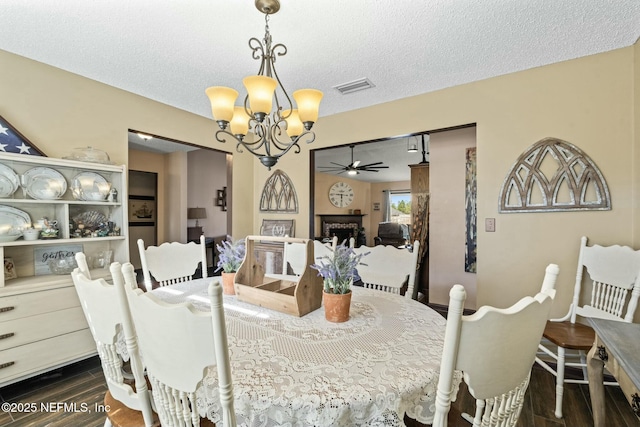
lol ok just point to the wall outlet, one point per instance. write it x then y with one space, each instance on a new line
490 224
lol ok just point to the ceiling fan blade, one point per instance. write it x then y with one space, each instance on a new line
355 164
371 164
373 167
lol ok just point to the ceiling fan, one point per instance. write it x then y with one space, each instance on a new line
354 167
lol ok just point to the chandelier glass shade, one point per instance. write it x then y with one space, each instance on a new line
277 126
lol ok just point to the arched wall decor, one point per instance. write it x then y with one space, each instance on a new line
279 194
554 175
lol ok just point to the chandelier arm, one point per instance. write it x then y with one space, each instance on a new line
222 135
284 146
257 51
274 75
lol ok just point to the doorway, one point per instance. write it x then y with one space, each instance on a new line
187 176
143 196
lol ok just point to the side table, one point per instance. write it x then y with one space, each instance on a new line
616 347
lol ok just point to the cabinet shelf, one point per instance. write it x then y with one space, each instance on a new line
43 309
56 202
52 242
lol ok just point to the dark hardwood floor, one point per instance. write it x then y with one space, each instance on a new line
81 387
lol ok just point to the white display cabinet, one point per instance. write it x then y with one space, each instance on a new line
41 322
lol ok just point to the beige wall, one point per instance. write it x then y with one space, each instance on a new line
151 162
587 101
207 173
447 215
59 111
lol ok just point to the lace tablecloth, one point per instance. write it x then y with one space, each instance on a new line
305 371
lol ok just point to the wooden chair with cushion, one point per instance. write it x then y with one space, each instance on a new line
172 262
615 288
387 268
129 405
179 343
495 349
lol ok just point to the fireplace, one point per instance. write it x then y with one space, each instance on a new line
342 233
343 226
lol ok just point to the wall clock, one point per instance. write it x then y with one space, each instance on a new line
341 194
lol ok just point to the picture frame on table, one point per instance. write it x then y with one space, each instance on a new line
9 269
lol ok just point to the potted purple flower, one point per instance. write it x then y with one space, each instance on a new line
338 272
230 256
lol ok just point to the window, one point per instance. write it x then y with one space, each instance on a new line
398 206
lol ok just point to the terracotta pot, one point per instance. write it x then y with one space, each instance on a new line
336 307
228 280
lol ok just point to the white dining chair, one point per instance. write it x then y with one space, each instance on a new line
172 262
83 266
294 258
179 343
615 275
321 250
387 268
495 349
105 315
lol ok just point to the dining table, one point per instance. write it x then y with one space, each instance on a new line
371 370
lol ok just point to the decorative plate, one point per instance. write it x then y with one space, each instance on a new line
44 183
90 186
90 219
9 181
12 222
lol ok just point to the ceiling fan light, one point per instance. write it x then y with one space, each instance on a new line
260 90
294 124
412 144
222 101
352 172
308 102
240 121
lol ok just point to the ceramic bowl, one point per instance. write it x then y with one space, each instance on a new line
63 265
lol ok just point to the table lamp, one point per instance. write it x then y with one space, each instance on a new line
196 213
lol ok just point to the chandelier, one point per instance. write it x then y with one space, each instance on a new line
277 130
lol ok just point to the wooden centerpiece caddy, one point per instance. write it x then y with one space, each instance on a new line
295 295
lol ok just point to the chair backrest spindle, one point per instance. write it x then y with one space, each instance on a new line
173 262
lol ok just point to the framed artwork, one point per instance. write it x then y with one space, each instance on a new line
142 210
221 198
277 227
9 269
471 231
376 206
12 141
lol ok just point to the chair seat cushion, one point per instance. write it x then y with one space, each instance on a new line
575 336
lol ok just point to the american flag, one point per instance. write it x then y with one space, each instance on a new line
12 141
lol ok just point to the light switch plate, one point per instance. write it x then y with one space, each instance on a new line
490 224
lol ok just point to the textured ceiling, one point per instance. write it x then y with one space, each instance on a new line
171 50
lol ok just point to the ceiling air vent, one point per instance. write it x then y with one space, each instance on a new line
355 86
